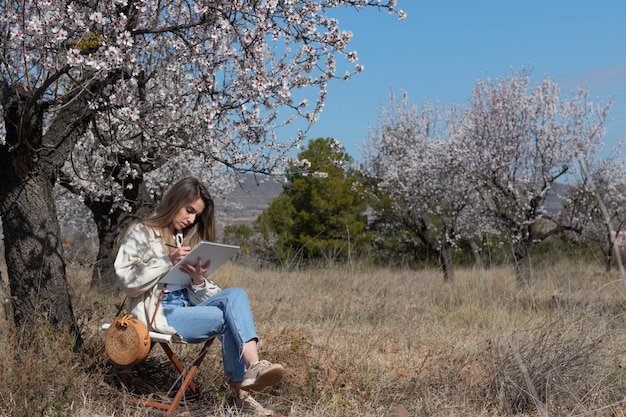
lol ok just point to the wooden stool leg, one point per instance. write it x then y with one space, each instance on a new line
187 380
187 375
181 369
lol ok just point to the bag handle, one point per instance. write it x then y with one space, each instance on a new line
157 305
119 310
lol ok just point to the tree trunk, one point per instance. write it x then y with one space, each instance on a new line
445 257
478 257
30 160
609 257
33 253
110 225
523 270
420 228
103 276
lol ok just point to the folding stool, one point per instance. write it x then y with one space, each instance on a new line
186 375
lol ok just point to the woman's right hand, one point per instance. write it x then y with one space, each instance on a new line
178 254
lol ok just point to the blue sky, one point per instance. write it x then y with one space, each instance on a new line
443 47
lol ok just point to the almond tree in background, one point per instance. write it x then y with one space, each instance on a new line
522 141
148 81
413 156
606 182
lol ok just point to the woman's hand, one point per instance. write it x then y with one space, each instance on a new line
196 271
178 254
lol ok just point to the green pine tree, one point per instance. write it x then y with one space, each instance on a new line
320 215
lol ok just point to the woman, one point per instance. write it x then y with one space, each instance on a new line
199 310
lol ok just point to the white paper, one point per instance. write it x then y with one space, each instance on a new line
218 253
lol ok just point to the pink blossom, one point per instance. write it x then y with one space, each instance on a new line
97 18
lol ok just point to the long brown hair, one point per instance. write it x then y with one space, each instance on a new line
182 193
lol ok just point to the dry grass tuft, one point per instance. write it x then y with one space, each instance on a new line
366 342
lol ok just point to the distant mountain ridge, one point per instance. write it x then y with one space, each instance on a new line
246 202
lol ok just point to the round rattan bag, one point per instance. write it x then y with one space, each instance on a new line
127 341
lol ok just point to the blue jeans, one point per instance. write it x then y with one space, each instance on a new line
226 314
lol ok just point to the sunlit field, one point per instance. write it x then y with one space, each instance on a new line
359 342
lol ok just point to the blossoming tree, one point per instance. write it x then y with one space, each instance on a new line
413 153
597 204
142 82
491 167
523 139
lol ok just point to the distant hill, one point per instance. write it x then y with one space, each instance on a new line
246 202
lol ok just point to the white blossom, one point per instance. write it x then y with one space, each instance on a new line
165 81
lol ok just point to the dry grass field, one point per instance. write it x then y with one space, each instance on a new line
358 342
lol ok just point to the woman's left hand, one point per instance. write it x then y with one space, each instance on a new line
196 271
